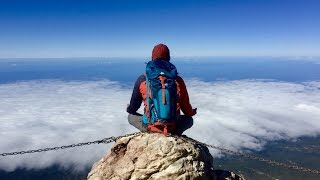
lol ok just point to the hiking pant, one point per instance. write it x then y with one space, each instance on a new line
183 123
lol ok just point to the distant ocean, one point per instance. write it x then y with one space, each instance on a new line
255 105
126 70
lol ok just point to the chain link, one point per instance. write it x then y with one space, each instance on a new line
105 140
271 162
127 135
111 139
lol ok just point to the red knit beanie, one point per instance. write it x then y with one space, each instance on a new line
161 51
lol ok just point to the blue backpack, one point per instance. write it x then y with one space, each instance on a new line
161 87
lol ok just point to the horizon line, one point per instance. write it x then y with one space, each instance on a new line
179 57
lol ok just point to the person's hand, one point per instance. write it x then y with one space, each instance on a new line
194 111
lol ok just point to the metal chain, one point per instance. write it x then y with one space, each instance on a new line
111 139
271 162
127 135
105 140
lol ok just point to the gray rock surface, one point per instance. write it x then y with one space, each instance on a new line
154 156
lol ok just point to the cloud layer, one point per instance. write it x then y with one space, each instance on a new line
237 115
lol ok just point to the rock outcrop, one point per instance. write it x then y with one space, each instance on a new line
154 156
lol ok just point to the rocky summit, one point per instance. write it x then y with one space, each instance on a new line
155 156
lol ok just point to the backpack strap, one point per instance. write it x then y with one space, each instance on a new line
149 102
162 79
164 128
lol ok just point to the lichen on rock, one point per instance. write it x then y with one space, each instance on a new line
154 156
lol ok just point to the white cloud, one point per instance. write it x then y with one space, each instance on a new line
231 114
247 113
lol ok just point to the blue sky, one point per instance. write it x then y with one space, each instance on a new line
122 28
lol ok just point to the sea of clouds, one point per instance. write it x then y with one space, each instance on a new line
238 115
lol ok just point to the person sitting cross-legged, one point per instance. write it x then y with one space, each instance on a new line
164 95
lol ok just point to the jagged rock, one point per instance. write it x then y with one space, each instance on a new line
154 156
